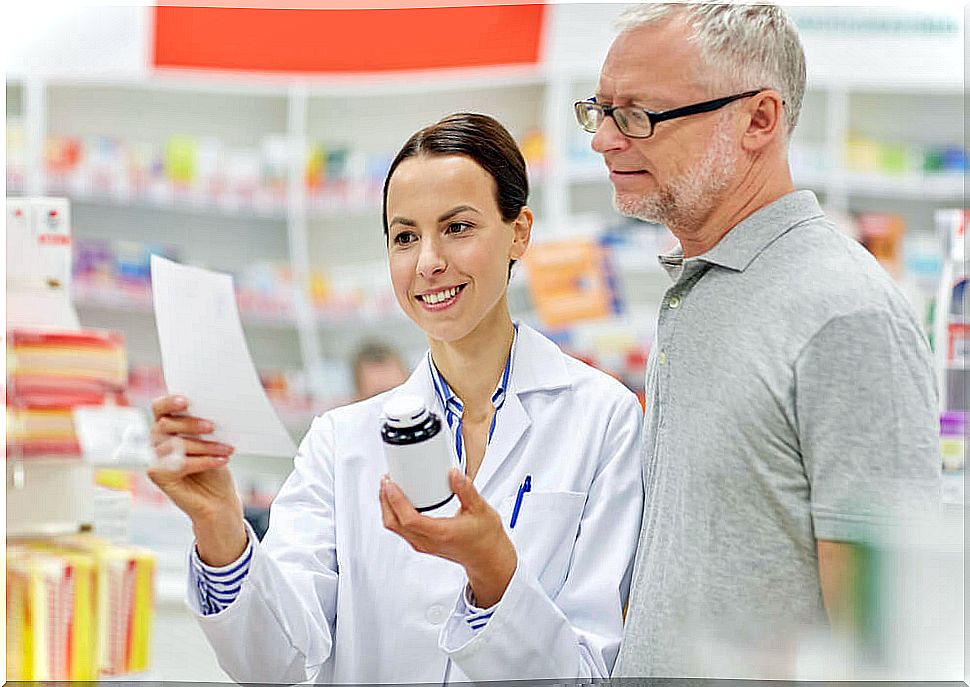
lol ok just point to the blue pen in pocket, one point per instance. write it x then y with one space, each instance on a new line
526 486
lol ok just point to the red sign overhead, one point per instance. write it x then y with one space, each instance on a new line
346 40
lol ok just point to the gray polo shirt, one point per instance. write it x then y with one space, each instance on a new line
791 397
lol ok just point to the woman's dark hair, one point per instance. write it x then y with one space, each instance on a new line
482 139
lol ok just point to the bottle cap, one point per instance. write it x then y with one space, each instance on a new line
405 410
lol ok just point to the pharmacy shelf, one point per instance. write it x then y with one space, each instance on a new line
179 203
114 305
928 188
140 304
319 208
378 111
188 202
110 298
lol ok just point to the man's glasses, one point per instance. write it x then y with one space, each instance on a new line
637 122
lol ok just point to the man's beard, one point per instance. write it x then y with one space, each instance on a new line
687 200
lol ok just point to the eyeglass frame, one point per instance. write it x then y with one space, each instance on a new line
656 117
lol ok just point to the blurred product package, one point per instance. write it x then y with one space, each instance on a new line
51 373
77 608
207 172
571 281
953 439
894 158
882 234
51 611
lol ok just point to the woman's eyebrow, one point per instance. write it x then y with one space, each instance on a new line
454 211
402 220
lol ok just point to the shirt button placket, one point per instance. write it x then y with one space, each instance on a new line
672 303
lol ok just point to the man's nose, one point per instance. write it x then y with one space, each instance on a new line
608 137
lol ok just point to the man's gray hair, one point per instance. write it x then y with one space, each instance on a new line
742 47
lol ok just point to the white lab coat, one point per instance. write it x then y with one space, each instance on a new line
332 596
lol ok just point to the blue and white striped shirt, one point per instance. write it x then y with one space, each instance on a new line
218 587
453 409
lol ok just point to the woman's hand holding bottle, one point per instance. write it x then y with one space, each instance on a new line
473 537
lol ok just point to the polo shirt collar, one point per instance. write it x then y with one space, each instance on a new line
738 248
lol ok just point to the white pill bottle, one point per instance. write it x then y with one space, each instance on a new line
419 454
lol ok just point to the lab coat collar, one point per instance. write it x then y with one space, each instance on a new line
538 365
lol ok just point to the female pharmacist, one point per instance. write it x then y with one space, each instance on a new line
351 584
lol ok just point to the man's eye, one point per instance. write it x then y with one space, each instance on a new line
404 238
636 115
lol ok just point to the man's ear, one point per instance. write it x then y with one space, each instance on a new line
766 120
522 227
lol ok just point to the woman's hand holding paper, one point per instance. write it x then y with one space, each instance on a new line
202 488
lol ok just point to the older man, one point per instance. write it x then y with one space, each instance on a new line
791 399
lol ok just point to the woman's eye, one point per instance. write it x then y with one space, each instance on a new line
404 238
458 227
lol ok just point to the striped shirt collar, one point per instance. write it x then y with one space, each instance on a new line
452 406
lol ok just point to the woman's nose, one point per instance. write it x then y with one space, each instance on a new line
431 261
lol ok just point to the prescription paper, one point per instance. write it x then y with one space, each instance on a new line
205 358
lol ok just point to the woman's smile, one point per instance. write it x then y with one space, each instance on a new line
440 299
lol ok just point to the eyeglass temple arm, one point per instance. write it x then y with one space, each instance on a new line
698 108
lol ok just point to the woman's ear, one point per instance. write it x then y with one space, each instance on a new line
522 233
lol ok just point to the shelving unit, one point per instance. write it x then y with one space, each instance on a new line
62 621
916 101
341 235
952 303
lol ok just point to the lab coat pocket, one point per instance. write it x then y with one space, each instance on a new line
545 532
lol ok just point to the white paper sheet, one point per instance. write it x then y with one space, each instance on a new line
205 358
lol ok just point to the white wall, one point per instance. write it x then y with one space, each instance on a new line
579 34
58 38
893 49
109 41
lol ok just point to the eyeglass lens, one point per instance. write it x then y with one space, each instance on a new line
630 121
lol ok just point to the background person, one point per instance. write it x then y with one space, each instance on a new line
351 584
791 403
376 368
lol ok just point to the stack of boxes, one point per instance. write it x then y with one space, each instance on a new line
77 608
48 375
